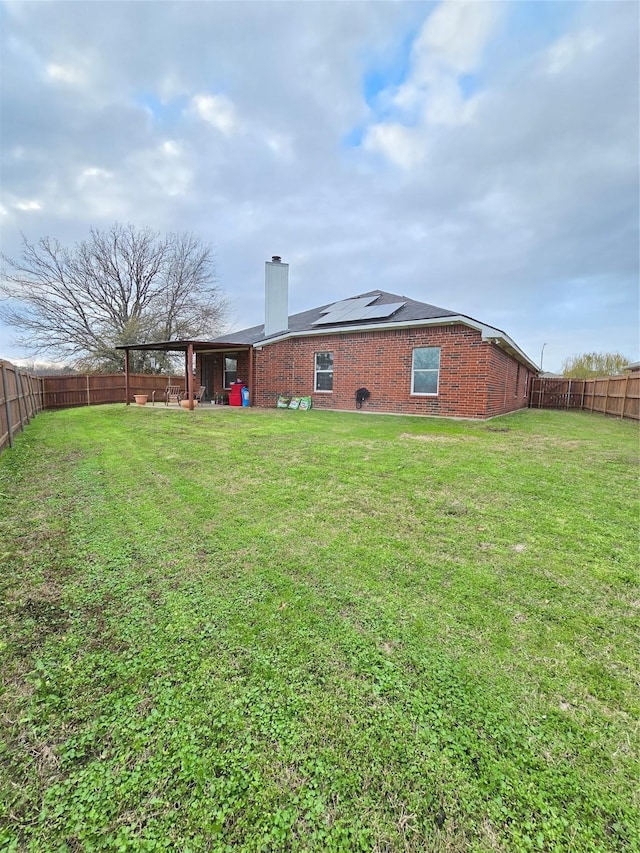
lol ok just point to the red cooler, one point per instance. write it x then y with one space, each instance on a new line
235 394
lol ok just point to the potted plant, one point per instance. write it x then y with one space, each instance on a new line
185 404
141 399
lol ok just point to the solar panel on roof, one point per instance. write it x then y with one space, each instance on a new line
332 316
380 311
359 312
348 303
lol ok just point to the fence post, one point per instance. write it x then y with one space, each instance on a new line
568 406
88 391
606 396
624 396
21 405
29 396
7 404
32 397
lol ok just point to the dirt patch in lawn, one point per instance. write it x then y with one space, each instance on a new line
441 439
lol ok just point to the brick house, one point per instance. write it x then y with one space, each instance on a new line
413 358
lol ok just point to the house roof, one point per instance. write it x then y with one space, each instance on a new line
404 312
411 313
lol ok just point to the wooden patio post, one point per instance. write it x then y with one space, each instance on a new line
189 369
126 377
250 378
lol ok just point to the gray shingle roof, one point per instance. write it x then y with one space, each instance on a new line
303 322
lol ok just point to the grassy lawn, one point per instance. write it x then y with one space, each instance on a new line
245 630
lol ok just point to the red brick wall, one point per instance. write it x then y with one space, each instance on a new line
475 376
507 385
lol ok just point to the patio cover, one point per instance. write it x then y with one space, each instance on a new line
188 348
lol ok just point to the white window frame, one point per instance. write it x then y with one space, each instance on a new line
435 370
225 356
317 370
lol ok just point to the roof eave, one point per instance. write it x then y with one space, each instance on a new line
182 346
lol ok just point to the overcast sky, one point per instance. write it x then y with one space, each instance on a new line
482 157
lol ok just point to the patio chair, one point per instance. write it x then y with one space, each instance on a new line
172 394
200 394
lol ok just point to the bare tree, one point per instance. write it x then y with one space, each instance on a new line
121 286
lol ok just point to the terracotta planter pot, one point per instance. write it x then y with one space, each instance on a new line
141 399
185 404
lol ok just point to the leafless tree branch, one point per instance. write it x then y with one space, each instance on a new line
122 285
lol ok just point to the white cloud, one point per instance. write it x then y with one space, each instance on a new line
27 205
70 74
404 146
167 167
281 145
450 43
218 111
568 49
91 174
445 105
454 36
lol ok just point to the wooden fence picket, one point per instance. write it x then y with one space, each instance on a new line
610 395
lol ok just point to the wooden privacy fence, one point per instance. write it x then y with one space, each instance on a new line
63 392
21 397
610 395
23 394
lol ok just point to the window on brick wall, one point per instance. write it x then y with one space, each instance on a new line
425 370
323 371
230 371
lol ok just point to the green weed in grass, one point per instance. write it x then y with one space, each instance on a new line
255 631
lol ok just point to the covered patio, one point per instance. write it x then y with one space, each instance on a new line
200 358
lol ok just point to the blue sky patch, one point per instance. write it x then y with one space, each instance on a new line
353 139
541 23
384 75
390 72
162 111
469 84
